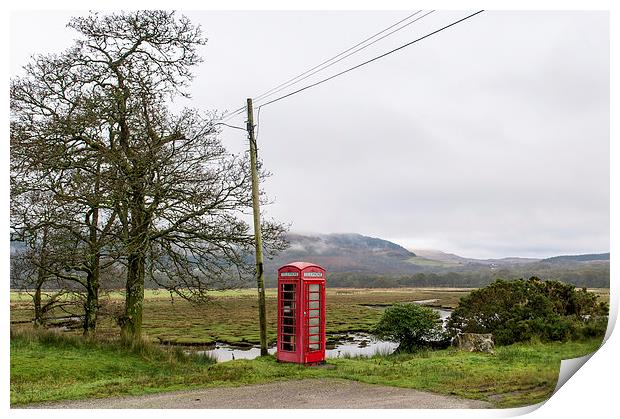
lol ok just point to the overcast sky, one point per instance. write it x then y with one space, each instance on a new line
489 139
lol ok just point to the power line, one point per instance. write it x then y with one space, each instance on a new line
322 66
240 110
230 126
229 115
372 59
258 122
349 54
288 82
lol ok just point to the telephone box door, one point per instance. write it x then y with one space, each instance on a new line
314 322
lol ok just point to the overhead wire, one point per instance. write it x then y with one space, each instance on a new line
240 110
229 115
349 54
372 59
294 80
329 62
258 121
230 126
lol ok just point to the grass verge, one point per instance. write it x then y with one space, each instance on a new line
47 366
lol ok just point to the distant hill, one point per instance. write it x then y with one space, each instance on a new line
451 258
578 258
355 260
442 256
345 253
359 253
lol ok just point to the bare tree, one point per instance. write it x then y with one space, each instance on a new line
57 220
157 191
29 275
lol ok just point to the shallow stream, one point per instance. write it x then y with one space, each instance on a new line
353 344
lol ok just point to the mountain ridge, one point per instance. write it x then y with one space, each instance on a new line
354 252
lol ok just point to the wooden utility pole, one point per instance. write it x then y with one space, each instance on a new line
260 277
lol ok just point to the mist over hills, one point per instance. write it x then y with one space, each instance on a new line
345 253
358 260
352 252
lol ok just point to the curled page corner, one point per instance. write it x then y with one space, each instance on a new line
568 367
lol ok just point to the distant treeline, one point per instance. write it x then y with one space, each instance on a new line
594 276
579 258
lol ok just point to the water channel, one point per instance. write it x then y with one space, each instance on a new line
354 344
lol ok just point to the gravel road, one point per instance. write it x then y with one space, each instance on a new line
301 394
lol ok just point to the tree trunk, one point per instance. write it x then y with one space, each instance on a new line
36 298
91 306
131 328
41 277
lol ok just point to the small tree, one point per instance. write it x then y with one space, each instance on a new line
411 325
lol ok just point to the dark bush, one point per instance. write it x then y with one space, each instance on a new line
592 327
521 310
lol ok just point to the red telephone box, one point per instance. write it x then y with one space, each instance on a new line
301 313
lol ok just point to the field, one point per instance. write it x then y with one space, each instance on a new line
53 366
231 316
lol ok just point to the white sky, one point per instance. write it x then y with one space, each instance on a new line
489 139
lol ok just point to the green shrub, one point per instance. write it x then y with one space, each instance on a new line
410 325
592 327
522 310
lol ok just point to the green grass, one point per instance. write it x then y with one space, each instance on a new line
53 367
47 367
517 375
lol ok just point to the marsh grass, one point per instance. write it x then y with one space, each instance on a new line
231 316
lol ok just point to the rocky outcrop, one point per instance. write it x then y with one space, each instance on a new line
475 342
